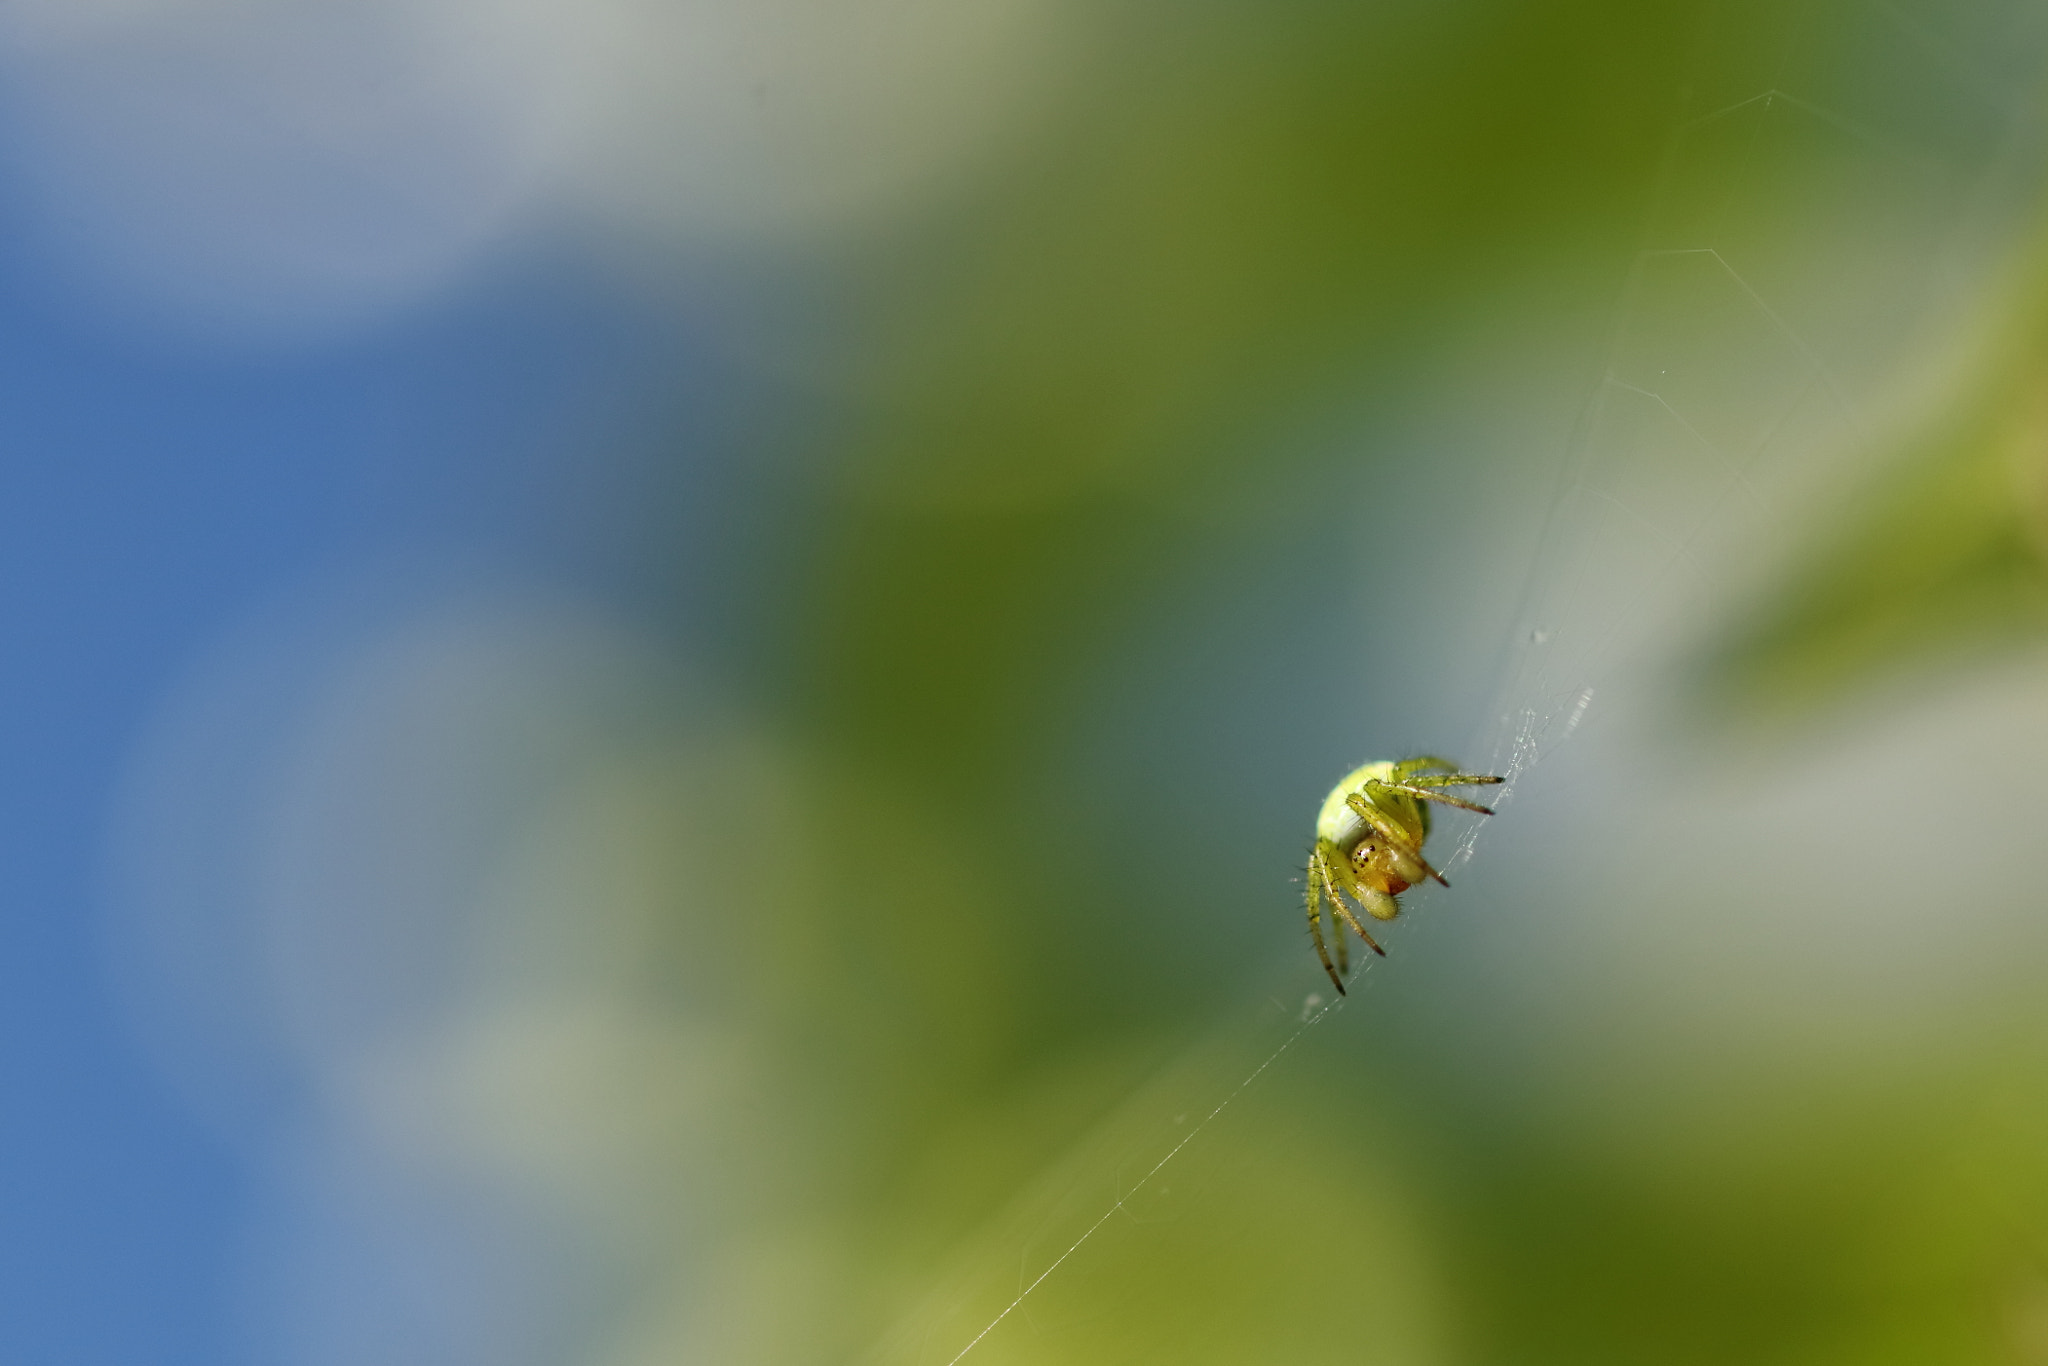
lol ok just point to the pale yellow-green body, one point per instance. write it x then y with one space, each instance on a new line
1344 829
1369 837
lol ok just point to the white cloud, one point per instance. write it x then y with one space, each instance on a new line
303 165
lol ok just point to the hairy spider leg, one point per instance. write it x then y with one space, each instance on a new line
1324 881
1390 832
1426 795
1336 927
1357 926
1450 779
1338 908
1415 784
1315 918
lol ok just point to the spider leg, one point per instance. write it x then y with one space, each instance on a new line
1389 831
1426 795
1340 911
1451 779
1337 933
1316 874
1448 779
1358 928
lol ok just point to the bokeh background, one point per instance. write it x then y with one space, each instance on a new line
667 666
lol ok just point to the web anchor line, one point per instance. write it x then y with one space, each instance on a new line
1139 1185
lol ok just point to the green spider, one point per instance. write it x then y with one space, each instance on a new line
1369 838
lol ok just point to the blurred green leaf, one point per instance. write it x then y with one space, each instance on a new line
1941 559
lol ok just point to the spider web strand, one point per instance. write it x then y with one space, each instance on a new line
1139 1184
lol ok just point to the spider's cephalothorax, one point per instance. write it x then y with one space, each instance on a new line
1369 838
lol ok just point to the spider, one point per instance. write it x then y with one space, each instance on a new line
1369 838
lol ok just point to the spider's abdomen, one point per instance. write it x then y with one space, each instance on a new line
1343 828
1337 822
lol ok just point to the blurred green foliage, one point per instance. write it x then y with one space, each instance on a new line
1074 399
1940 560
1237 215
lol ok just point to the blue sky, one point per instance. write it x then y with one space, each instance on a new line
156 493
